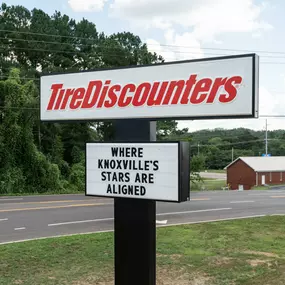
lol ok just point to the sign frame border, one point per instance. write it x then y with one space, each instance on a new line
181 175
255 89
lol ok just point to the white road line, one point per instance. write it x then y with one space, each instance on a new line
213 221
2 220
237 202
19 229
52 237
189 212
110 219
163 222
80 222
108 231
12 199
260 194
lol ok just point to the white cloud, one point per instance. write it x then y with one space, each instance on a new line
269 104
177 46
203 20
185 26
207 18
87 5
165 52
183 42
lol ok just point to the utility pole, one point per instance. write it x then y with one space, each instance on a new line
232 154
198 149
266 139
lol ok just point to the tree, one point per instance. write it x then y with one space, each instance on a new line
22 166
197 164
168 129
37 43
39 156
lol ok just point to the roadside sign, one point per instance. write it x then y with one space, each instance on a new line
150 171
222 87
137 174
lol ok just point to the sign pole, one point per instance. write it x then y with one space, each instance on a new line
135 220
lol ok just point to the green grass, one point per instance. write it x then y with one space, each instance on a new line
266 187
208 184
65 192
241 252
260 188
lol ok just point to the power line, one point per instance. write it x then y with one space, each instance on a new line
45 50
78 52
21 78
158 44
271 116
266 139
100 45
38 79
107 53
38 108
19 108
42 34
236 143
229 144
225 49
271 62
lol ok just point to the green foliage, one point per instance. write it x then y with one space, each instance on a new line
198 163
77 176
168 129
49 157
12 180
40 157
220 146
44 176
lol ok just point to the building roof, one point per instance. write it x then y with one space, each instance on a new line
263 164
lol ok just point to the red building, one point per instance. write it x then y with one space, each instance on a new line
247 172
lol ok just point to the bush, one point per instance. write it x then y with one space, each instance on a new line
12 181
64 168
51 182
76 154
77 176
43 176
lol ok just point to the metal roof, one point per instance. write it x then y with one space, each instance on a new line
263 164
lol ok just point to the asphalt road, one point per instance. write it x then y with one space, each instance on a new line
23 218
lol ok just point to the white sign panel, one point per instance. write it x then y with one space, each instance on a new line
133 170
223 87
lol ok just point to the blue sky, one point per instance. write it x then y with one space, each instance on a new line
196 28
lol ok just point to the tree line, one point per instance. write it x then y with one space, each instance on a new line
215 149
38 157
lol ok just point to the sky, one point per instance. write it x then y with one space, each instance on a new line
188 29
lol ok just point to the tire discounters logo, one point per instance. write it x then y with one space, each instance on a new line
223 87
